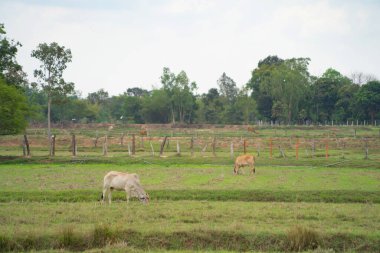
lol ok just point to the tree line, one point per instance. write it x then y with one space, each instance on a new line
279 90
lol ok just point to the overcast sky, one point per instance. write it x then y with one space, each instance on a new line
121 44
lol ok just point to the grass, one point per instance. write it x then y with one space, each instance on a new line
197 204
172 225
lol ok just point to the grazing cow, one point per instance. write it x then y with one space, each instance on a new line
130 183
244 160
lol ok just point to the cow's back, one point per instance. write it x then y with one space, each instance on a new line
244 160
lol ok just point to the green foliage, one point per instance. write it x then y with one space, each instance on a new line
368 98
330 93
53 59
279 86
180 93
10 70
156 107
13 109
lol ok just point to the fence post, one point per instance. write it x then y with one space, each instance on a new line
163 145
133 144
105 146
214 147
192 145
122 139
53 145
96 139
27 145
270 148
366 148
282 151
178 149
151 147
232 149
327 149
313 149
73 145
245 146
129 149
297 145
204 149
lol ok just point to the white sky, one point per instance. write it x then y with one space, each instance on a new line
122 44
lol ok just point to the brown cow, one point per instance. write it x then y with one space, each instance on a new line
244 160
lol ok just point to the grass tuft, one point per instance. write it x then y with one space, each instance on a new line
102 235
302 238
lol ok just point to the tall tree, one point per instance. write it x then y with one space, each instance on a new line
180 91
10 70
279 86
227 87
54 59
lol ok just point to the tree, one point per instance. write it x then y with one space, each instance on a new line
156 107
136 92
227 87
98 97
180 92
279 86
13 109
368 98
325 92
54 59
10 70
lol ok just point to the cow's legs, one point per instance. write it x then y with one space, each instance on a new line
252 167
109 196
127 193
104 195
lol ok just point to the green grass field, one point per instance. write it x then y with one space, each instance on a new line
197 204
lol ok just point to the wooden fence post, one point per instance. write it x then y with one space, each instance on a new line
122 139
204 149
270 148
178 149
133 144
105 146
232 149
327 149
245 146
282 151
27 145
73 145
151 147
163 145
214 147
366 148
192 146
129 150
96 139
297 144
53 145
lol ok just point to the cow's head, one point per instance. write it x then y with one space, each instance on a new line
144 198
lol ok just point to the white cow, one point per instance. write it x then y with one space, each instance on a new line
130 183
